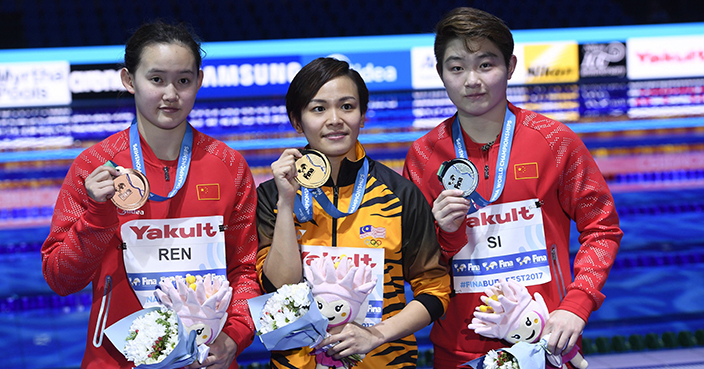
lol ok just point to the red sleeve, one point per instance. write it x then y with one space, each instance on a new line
585 197
81 231
418 168
241 243
452 243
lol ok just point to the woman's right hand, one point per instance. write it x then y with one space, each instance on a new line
450 209
99 184
284 171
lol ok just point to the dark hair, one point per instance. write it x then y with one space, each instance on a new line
470 25
313 76
160 32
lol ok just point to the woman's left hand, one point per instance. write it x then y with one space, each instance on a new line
566 327
222 352
353 339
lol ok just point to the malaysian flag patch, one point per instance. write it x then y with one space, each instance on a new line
371 231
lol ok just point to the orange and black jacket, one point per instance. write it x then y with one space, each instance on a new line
410 246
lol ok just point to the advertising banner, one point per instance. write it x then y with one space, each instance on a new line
248 77
665 57
34 84
555 62
602 60
381 71
96 81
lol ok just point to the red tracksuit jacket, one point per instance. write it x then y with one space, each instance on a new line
84 245
547 162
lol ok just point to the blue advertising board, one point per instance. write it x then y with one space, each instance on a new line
248 77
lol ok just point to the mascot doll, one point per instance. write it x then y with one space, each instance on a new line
200 301
511 314
340 290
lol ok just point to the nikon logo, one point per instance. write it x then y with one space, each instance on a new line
549 72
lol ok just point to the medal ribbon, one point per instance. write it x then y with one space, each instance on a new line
507 131
303 205
184 159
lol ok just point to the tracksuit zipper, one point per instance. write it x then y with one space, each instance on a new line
561 289
485 155
335 195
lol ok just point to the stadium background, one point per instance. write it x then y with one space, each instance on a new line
646 132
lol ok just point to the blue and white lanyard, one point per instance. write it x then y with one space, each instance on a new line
501 162
184 159
303 205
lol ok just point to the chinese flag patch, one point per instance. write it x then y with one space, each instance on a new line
526 170
208 191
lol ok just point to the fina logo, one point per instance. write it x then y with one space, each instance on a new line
600 60
370 72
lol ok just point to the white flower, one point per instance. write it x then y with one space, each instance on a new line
490 360
285 306
152 337
500 360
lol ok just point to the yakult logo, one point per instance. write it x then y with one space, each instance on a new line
665 56
366 259
512 215
166 231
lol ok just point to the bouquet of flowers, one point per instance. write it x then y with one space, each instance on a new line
512 314
154 338
288 318
285 306
500 360
347 362
200 301
521 355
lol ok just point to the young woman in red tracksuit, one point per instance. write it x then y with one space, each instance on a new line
534 175
200 216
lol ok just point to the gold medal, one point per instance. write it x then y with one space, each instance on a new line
312 169
131 189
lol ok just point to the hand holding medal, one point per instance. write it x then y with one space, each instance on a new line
460 179
131 188
459 174
455 173
312 169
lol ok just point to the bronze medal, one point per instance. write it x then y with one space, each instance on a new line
459 174
131 189
312 169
